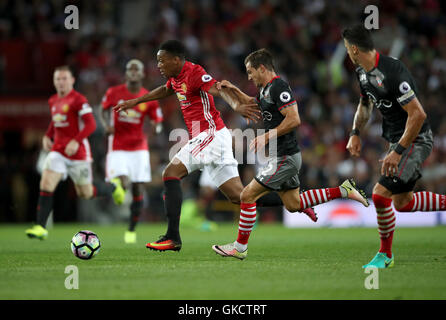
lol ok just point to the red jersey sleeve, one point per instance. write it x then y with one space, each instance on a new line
154 111
107 100
200 80
86 113
89 127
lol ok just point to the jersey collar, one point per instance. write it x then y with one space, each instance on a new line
376 63
183 69
269 82
276 77
376 59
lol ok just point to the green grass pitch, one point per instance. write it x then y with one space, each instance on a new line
283 263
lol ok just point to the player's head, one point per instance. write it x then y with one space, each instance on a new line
63 80
259 65
134 71
357 40
170 57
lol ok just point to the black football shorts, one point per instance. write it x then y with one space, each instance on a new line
409 168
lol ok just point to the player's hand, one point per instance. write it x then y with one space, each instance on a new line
225 84
258 143
354 145
47 143
125 105
109 130
249 111
71 148
390 164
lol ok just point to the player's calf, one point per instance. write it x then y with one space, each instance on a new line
422 201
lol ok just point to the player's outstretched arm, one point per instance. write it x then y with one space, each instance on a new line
362 116
239 101
156 94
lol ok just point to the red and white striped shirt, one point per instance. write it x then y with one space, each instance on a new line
197 105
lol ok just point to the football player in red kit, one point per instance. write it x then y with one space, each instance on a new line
72 121
128 155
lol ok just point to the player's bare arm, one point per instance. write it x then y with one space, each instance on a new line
47 143
362 116
105 121
239 93
240 103
289 123
156 94
415 120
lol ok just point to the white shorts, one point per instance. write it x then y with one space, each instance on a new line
213 153
78 170
206 180
132 164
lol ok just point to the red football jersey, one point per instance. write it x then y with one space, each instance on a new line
66 117
197 105
129 135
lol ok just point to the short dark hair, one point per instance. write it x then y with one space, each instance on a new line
63 68
261 56
359 36
174 47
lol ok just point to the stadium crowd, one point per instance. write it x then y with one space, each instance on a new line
302 35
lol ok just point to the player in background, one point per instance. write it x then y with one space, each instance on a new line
281 174
386 84
210 144
128 157
72 121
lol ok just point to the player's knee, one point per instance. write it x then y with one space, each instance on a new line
46 185
246 196
381 201
169 173
85 194
293 207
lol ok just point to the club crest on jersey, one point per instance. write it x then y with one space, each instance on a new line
184 87
285 96
206 78
65 108
142 107
379 81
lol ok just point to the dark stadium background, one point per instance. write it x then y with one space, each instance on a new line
303 36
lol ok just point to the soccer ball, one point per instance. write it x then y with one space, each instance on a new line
85 244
